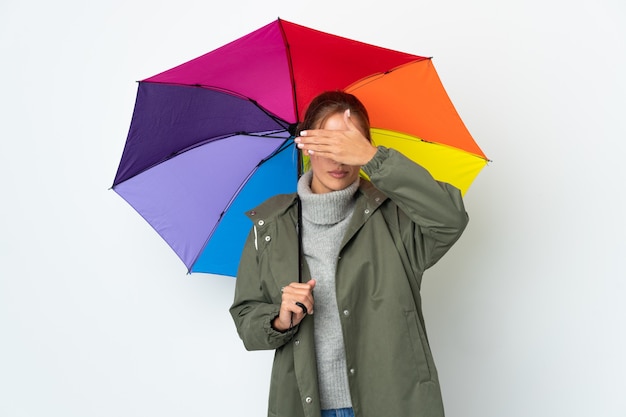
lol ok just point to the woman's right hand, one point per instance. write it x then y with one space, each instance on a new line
291 314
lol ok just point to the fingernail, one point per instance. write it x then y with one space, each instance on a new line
303 133
297 140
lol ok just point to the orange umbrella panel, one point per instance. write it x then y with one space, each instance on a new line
410 111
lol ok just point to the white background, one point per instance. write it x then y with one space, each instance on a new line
525 315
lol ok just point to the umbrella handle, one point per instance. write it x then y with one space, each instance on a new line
299 225
299 232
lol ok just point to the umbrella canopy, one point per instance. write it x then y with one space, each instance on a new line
213 137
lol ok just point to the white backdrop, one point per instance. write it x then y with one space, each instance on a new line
525 314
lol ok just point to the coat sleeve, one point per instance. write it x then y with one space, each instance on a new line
252 310
435 208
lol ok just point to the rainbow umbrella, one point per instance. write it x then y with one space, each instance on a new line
213 137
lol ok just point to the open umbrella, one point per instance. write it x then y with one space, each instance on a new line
213 137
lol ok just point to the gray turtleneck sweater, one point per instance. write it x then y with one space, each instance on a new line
325 219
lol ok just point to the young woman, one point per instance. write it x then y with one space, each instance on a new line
350 339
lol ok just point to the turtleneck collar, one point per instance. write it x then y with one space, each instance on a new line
327 208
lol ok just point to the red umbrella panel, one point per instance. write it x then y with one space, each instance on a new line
213 137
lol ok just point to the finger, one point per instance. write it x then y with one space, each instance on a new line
348 120
311 283
318 144
304 305
292 307
305 310
304 298
298 287
296 294
316 136
310 133
301 292
306 143
291 314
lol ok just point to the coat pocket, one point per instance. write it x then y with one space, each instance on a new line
419 346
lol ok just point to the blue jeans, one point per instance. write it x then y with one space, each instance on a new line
340 412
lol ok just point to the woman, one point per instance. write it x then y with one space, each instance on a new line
350 339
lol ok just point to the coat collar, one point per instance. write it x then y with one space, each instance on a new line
369 198
271 208
368 201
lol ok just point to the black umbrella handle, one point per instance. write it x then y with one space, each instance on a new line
299 232
299 220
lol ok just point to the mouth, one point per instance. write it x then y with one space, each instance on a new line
338 174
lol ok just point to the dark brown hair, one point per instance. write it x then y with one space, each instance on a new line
332 102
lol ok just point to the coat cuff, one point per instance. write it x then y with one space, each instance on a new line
272 332
381 155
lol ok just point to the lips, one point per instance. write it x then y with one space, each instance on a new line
338 174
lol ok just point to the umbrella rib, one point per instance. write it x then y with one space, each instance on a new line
411 137
373 77
280 149
275 118
270 134
292 130
205 86
233 93
290 65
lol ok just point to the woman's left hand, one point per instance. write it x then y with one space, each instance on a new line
345 145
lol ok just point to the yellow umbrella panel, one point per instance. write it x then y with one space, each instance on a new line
445 163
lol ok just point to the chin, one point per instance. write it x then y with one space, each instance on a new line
340 185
